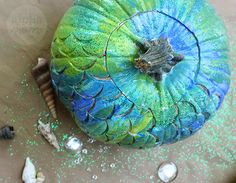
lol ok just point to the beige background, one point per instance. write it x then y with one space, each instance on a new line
209 156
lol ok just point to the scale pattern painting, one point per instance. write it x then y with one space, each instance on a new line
140 73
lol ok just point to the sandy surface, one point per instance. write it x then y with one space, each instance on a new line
209 156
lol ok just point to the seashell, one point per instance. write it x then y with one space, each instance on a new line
29 172
47 133
163 73
7 132
42 77
40 178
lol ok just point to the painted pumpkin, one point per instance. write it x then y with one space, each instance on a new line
140 73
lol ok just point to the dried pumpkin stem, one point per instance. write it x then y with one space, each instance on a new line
159 58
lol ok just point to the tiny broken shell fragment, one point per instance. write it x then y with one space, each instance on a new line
29 172
40 178
7 132
74 144
47 133
42 77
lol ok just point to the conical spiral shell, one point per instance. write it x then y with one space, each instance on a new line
42 77
46 131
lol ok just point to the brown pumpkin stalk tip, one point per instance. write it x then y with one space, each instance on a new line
42 77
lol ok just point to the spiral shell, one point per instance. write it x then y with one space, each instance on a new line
42 77
47 133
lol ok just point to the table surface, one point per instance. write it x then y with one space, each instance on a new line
208 156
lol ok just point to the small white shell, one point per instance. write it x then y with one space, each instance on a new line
29 172
40 177
46 131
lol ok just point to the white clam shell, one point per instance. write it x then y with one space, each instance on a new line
29 172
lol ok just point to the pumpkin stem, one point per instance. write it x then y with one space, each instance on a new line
158 59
